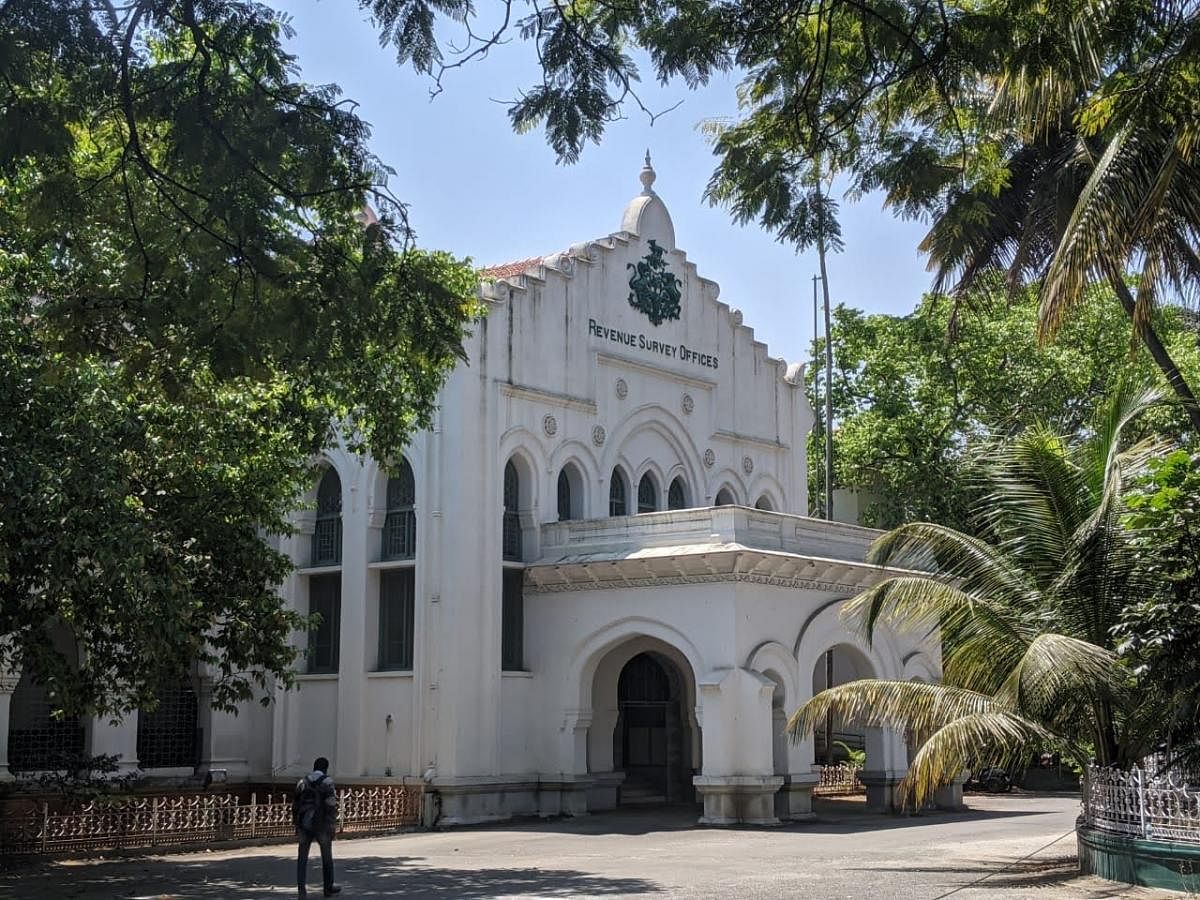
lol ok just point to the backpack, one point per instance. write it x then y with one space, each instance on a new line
308 806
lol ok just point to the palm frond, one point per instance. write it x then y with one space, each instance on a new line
975 567
995 736
875 703
1055 665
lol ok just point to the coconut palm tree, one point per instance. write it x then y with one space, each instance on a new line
1025 612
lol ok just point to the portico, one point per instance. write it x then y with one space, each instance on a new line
737 596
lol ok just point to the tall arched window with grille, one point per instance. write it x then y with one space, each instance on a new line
564 496
618 494
325 588
677 495
327 536
512 515
512 577
400 525
647 498
397 583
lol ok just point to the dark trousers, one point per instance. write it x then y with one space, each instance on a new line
324 840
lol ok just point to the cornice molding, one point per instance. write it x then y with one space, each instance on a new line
802 584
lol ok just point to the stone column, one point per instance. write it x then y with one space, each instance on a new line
950 796
8 684
574 790
737 784
117 739
352 661
887 755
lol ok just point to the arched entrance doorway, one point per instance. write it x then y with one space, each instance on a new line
644 740
835 739
648 743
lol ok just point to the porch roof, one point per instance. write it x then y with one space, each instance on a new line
721 543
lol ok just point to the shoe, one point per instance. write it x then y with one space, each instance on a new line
330 891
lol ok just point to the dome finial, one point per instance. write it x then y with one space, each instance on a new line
647 176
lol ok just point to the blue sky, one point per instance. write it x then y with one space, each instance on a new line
477 189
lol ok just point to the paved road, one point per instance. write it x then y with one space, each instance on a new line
1004 847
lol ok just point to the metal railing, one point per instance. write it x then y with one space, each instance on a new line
174 820
1141 805
838 781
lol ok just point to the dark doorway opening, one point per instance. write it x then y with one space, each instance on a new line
650 741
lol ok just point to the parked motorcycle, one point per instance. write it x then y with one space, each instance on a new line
990 780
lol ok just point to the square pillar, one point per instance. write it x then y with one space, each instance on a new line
793 803
881 790
950 796
8 684
738 799
117 739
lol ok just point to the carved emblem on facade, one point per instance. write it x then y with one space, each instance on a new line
550 425
622 389
688 404
747 465
598 435
653 290
710 458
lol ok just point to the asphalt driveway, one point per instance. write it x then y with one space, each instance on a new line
1008 846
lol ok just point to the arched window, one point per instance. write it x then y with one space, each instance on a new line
400 526
677 495
564 496
39 741
512 517
618 494
724 497
327 536
764 502
647 498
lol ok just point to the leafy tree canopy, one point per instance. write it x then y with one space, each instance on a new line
1160 632
190 293
912 407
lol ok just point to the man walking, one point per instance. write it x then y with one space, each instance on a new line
314 811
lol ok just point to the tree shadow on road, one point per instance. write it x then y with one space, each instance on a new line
249 877
973 877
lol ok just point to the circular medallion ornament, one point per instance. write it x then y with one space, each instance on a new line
550 425
598 435
747 465
710 458
622 389
688 404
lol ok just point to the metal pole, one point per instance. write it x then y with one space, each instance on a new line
828 345
818 504
828 387
828 715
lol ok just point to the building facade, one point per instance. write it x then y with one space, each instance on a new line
591 582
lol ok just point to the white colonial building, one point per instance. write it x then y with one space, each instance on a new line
592 582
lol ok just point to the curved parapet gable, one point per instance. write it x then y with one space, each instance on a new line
624 322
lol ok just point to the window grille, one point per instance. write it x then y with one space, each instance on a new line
325 599
512 625
397 607
168 737
327 536
400 525
764 502
724 498
647 497
676 495
618 504
512 519
564 496
38 742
